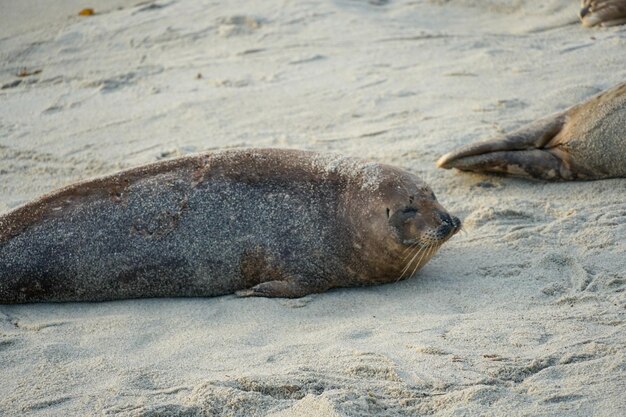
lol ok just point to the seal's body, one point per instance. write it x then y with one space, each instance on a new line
602 12
276 223
586 141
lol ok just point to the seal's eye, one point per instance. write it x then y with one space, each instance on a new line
411 211
433 195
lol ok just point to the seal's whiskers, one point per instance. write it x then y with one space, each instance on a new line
408 265
431 251
413 246
428 251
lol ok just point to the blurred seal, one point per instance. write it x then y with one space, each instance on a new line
602 12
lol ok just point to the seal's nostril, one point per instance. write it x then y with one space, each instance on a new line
444 217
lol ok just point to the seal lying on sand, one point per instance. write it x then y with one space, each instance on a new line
586 141
602 12
274 223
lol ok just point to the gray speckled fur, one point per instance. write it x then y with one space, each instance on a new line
127 250
170 232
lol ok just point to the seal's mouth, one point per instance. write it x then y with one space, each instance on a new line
425 246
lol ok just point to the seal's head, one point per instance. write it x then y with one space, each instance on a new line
414 215
407 219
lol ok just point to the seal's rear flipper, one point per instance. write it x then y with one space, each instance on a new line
520 153
535 163
603 12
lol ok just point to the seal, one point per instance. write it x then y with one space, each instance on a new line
586 141
259 222
602 12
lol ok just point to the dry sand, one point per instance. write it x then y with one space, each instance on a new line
524 315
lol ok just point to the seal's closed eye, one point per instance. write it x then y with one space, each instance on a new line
402 216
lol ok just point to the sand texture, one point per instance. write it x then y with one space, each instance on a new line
523 315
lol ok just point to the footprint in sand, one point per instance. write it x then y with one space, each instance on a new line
571 277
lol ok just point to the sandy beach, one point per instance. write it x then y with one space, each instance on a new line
522 315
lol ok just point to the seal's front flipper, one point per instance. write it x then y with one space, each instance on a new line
286 289
520 153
